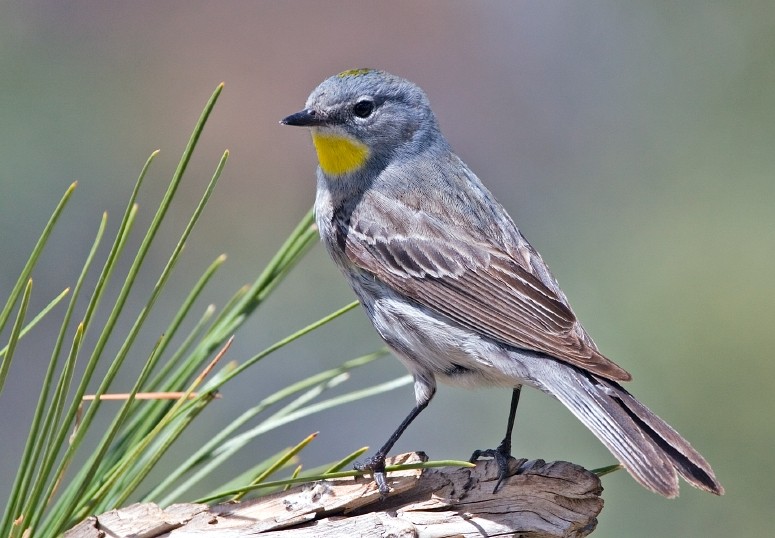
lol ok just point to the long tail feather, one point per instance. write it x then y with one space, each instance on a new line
652 451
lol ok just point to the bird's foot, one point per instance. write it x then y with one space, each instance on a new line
375 465
501 455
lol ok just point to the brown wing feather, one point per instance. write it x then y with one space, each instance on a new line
480 288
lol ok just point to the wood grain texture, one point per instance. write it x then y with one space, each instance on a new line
539 500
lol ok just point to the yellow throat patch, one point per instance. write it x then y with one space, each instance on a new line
339 155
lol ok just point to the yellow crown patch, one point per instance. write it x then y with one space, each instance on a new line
354 72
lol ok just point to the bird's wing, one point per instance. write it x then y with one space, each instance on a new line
477 285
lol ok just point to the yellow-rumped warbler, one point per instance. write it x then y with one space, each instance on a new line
453 287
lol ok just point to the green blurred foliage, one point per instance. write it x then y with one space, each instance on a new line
634 145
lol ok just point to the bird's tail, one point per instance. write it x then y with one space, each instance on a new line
651 451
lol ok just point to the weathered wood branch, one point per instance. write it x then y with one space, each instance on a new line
539 500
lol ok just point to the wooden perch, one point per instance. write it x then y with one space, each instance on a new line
539 500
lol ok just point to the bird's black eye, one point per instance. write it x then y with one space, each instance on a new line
363 108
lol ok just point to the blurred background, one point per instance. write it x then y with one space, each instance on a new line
634 146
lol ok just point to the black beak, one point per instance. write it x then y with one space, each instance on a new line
305 118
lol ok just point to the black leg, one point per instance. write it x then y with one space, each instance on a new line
503 452
376 463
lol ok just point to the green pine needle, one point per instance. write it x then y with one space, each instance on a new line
52 492
330 476
602 471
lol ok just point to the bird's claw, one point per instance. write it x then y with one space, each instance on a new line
501 455
376 467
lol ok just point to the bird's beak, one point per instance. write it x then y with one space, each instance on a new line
305 118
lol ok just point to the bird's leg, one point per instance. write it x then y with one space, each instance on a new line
502 454
424 391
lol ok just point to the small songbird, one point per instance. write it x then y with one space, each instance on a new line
453 287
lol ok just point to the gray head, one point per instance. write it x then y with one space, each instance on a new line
375 112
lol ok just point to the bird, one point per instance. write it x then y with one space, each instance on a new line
453 287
